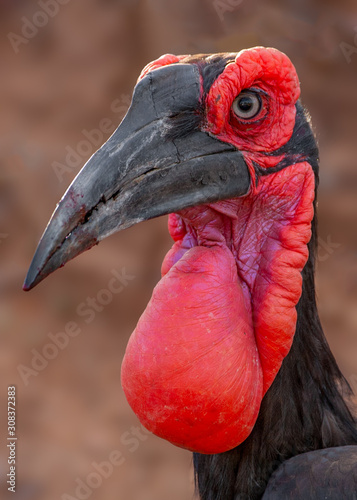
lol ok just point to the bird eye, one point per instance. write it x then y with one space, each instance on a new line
247 105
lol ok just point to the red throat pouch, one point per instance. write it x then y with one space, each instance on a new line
222 318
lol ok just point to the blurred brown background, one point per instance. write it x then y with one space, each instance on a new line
77 69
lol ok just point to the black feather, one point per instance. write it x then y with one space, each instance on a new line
210 66
329 474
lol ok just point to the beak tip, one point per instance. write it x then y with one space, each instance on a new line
30 281
34 277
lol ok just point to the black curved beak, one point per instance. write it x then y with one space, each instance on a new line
155 163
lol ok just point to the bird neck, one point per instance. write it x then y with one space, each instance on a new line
303 410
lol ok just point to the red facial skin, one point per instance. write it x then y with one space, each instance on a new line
164 60
222 318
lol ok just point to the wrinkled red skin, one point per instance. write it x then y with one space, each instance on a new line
223 317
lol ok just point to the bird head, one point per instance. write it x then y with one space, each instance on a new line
221 144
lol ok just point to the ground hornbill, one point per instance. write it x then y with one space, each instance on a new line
229 359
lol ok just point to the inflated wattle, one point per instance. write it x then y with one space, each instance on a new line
222 318
191 370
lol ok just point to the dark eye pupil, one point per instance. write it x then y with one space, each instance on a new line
246 103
